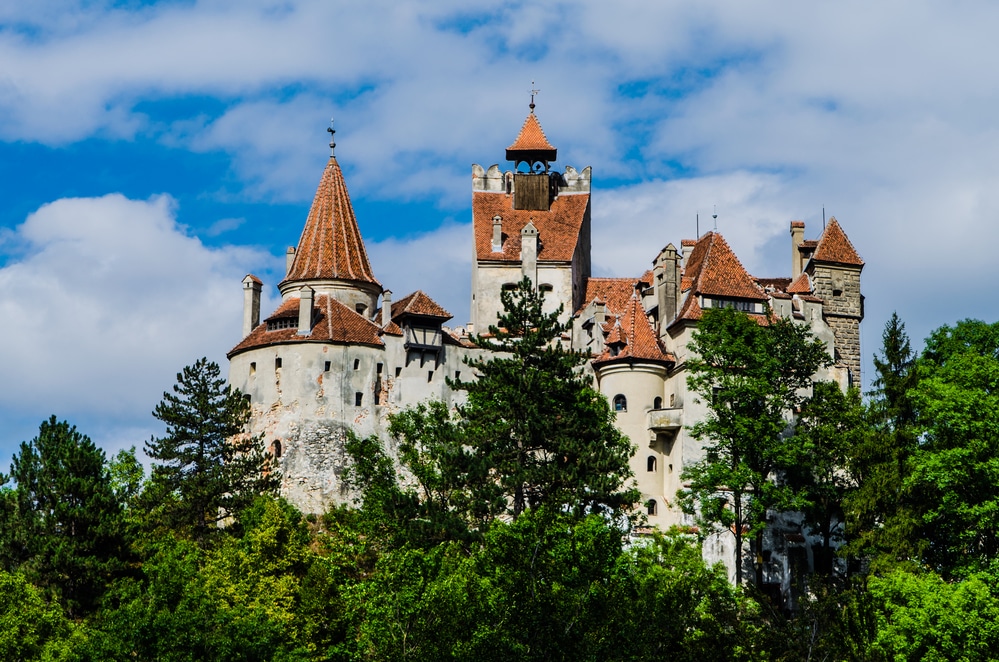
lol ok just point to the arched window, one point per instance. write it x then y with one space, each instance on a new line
620 403
276 448
657 403
651 463
650 507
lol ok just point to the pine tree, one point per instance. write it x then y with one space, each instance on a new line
207 467
67 526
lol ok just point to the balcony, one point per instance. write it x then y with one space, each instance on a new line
665 420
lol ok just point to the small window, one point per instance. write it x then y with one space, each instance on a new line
672 400
277 362
837 293
671 468
620 403
358 397
253 368
545 287
657 403
276 448
357 364
398 371
651 463
457 374
509 286
360 308
430 376
326 366
378 368
650 507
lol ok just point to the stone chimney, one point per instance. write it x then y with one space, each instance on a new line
497 234
797 236
666 272
386 307
251 303
305 311
289 260
529 252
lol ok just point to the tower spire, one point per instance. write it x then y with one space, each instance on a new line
331 131
534 91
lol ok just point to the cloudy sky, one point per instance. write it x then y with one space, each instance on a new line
152 154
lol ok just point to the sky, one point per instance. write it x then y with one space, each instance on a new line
154 153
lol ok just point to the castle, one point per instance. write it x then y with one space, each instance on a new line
340 353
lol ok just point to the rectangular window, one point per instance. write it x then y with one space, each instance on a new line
398 371
378 368
357 363
326 367
430 376
358 397
277 362
253 368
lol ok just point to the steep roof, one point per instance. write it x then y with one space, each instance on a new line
531 142
714 270
614 292
331 246
334 323
640 341
834 246
558 228
801 285
418 303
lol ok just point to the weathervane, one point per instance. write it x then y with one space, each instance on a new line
331 131
533 92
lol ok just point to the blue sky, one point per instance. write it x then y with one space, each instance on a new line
152 154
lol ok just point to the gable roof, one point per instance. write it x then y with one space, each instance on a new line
640 342
334 323
531 142
558 228
418 303
331 246
801 285
714 270
834 246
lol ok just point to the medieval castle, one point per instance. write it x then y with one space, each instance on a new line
341 353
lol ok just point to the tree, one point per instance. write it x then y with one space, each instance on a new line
66 528
831 425
208 467
750 372
533 431
879 517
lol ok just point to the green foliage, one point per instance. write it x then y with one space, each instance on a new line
750 375
922 617
30 629
207 468
127 475
880 517
532 433
66 534
831 425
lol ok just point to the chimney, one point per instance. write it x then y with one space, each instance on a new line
599 318
686 246
797 236
386 307
251 303
289 260
497 234
305 311
529 252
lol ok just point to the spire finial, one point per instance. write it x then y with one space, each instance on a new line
534 91
331 131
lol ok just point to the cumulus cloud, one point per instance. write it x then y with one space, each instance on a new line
107 300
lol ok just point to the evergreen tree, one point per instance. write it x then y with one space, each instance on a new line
207 467
880 518
66 528
750 375
533 431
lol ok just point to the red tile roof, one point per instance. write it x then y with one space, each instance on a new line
797 224
558 228
801 285
688 242
769 284
335 323
834 246
531 139
254 279
715 271
331 246
418 303
639 338
613 292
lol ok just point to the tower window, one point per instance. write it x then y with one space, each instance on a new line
650 507
276 448
358 397
672 399
360 308
657 403
430 376
277 363
326 366
357 364
253 368
651 463
398 371
378 368
620 403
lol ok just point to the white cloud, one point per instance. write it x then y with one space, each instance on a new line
109 300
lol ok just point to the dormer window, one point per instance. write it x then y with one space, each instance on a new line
282 323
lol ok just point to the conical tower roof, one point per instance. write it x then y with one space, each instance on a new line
531 143
331 247
636 338
834 246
